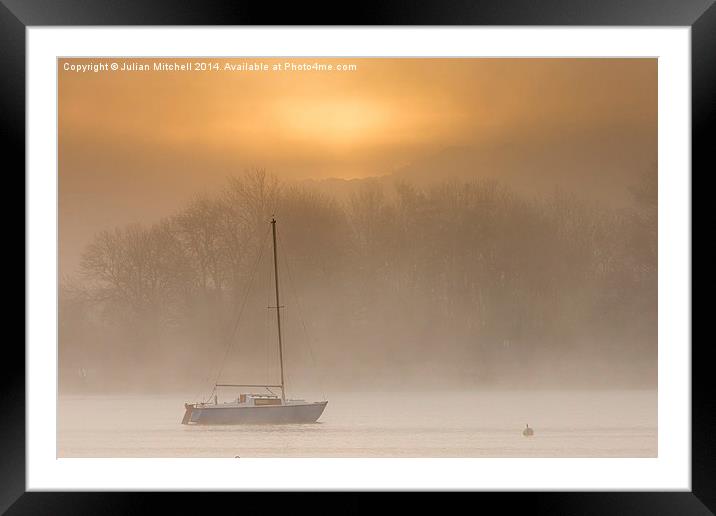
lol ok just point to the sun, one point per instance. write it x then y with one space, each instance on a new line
337 121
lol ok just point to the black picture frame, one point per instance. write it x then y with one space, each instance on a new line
17 15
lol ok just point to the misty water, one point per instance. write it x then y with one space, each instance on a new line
398 424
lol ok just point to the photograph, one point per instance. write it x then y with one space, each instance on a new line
357 257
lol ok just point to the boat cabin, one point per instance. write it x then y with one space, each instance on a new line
258 400
251 400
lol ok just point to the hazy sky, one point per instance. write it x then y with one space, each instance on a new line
134 145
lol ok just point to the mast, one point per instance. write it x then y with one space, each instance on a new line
278 308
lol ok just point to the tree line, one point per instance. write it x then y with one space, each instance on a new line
464 279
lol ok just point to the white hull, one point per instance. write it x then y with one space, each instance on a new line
235 414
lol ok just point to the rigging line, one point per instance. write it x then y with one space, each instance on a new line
201 388
241 311
301 318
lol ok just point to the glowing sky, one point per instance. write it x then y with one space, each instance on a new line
135 145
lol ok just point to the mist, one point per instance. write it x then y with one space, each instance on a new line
387 285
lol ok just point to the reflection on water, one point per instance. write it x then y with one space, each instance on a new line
450 424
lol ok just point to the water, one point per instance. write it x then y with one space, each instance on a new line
447 424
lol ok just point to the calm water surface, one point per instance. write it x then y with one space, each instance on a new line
448 424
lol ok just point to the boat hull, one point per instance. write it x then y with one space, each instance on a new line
262 415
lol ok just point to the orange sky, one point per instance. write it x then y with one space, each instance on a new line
135 145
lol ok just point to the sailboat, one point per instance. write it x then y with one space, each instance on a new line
252 408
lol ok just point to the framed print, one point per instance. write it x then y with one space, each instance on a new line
427 249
